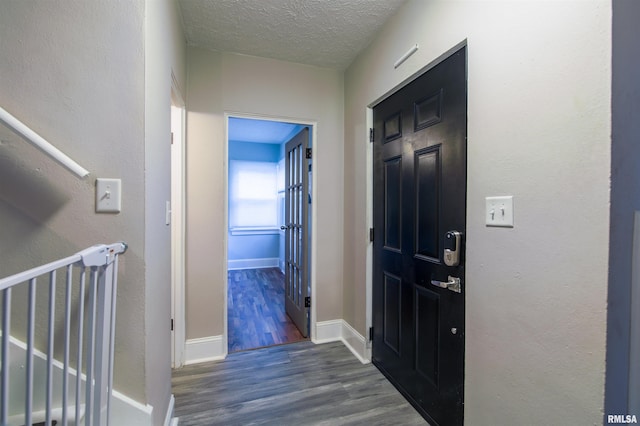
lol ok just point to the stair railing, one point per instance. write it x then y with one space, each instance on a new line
94 343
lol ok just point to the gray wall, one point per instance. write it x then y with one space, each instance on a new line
165 61
625 200
238 84
65 74
90 90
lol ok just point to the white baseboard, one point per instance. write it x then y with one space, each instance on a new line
270 262
204 349
356 342
328 331
340 330
168 418
126 411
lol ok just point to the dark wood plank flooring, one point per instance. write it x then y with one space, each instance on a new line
296 384
255 310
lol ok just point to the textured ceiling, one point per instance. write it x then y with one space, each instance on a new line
324 33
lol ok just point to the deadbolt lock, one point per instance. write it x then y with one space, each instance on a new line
452 248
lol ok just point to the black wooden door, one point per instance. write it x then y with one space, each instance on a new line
296 235
420 196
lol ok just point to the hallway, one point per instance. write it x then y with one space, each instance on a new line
299 384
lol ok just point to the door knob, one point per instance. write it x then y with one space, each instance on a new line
283 227
453 284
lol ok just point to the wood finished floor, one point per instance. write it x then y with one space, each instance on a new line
255 310
295 384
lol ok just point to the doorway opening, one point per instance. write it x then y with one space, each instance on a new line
268 232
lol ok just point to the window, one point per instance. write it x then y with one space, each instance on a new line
253 196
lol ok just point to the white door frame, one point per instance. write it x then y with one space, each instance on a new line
369 223
225 233
178 232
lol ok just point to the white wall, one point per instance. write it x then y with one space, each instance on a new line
539 129
165 54
66 73
224 82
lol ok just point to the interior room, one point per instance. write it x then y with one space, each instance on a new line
542 268
257 238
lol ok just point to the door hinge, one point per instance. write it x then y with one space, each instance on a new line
371 134
307 302
308 153
371 334
371 235
171 324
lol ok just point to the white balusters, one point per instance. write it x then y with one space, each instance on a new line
35 373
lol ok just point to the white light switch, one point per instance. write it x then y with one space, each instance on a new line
108 195
499 211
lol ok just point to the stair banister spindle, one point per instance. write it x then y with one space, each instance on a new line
4 376
67 334
52 312
83 275
91 346
28 417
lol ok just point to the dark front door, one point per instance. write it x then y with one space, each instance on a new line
296 233
419 219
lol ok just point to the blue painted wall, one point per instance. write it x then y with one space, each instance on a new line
249 151
253 246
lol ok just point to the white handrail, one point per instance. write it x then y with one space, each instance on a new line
42 144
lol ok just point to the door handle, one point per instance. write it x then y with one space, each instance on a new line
453 284
283 227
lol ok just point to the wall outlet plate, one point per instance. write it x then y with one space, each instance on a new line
499 211
108 195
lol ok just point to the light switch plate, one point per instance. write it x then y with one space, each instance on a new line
108 195
499 211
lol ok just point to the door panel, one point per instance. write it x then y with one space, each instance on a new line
296 233
419 195
392 311
427 202
393 204
427 333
